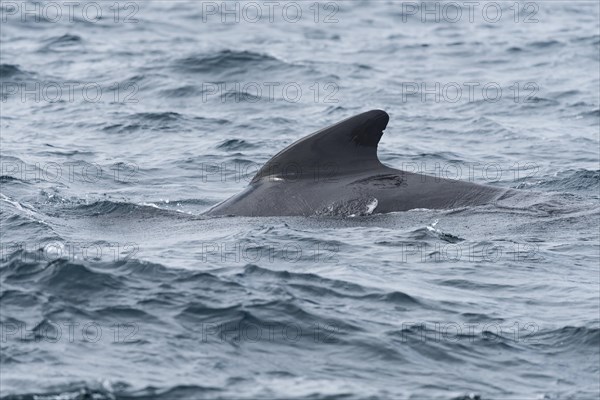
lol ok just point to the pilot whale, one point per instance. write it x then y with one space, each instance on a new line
335 171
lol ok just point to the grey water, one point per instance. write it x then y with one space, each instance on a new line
121 122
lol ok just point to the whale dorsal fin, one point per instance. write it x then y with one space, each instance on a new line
345 147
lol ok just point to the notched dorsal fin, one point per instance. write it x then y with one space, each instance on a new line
345 147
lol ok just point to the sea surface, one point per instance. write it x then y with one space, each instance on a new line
121 122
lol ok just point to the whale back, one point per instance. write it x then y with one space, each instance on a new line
353 182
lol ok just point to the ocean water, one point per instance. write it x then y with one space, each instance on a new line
121 122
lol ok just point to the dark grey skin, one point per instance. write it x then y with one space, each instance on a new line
335 171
